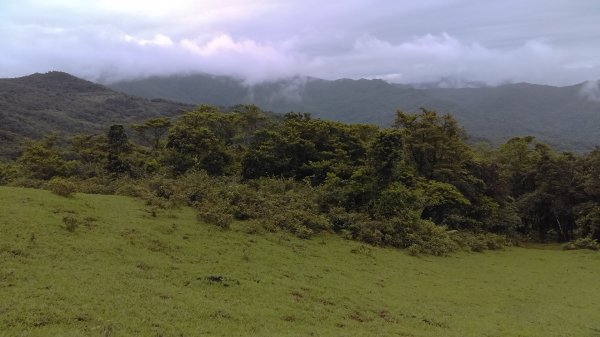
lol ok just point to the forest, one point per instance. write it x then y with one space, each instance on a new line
418 184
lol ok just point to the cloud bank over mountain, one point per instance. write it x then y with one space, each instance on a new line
108 40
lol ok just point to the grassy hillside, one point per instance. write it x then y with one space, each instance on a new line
97 265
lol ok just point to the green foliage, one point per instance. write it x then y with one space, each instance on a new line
582 243
91 153
397 201
479 242
428 238
517 158
434 144
70 223
215 216
300 222
308 176
386 157
198 140
118 147
152 131
588 220
303 147
61 186
44 160
7 173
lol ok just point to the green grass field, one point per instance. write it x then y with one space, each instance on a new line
120 271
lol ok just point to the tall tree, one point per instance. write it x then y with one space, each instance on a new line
434 144
118 147
152 131
198 140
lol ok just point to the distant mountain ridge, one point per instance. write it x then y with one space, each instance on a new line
35 105
568 118
560 116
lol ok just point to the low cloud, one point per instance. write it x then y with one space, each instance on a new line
431 57
591 90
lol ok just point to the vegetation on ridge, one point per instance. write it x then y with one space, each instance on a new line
415 185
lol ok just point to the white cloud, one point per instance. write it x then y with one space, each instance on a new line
430 57
158 40
268 39
591 90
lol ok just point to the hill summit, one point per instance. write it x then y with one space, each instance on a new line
35 105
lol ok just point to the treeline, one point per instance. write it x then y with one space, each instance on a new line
416 184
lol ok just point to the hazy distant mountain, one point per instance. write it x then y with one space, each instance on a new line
565 117
561 116
35 105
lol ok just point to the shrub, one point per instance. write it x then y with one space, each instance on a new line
479 242
346 222
131 188
98 185
62 187
430 238
220 219
7 173
414 250
28 183
582 243
422 237
253 227
373 232
71 223
214 214
300 222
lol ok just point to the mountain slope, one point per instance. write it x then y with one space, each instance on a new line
38 104
560 116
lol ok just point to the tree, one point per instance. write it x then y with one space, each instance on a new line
198 140
518 160
385 157
548 209
434 144
153 130
44 160
118 146
587 213
303 147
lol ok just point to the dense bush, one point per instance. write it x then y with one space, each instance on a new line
71 223
478 242
425 237
276 203
300 222
582 243
7 172
61 186
214 215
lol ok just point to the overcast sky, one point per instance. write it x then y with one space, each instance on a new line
540 41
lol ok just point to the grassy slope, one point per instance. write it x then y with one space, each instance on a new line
123 272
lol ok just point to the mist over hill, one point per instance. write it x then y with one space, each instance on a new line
38 104
567 118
